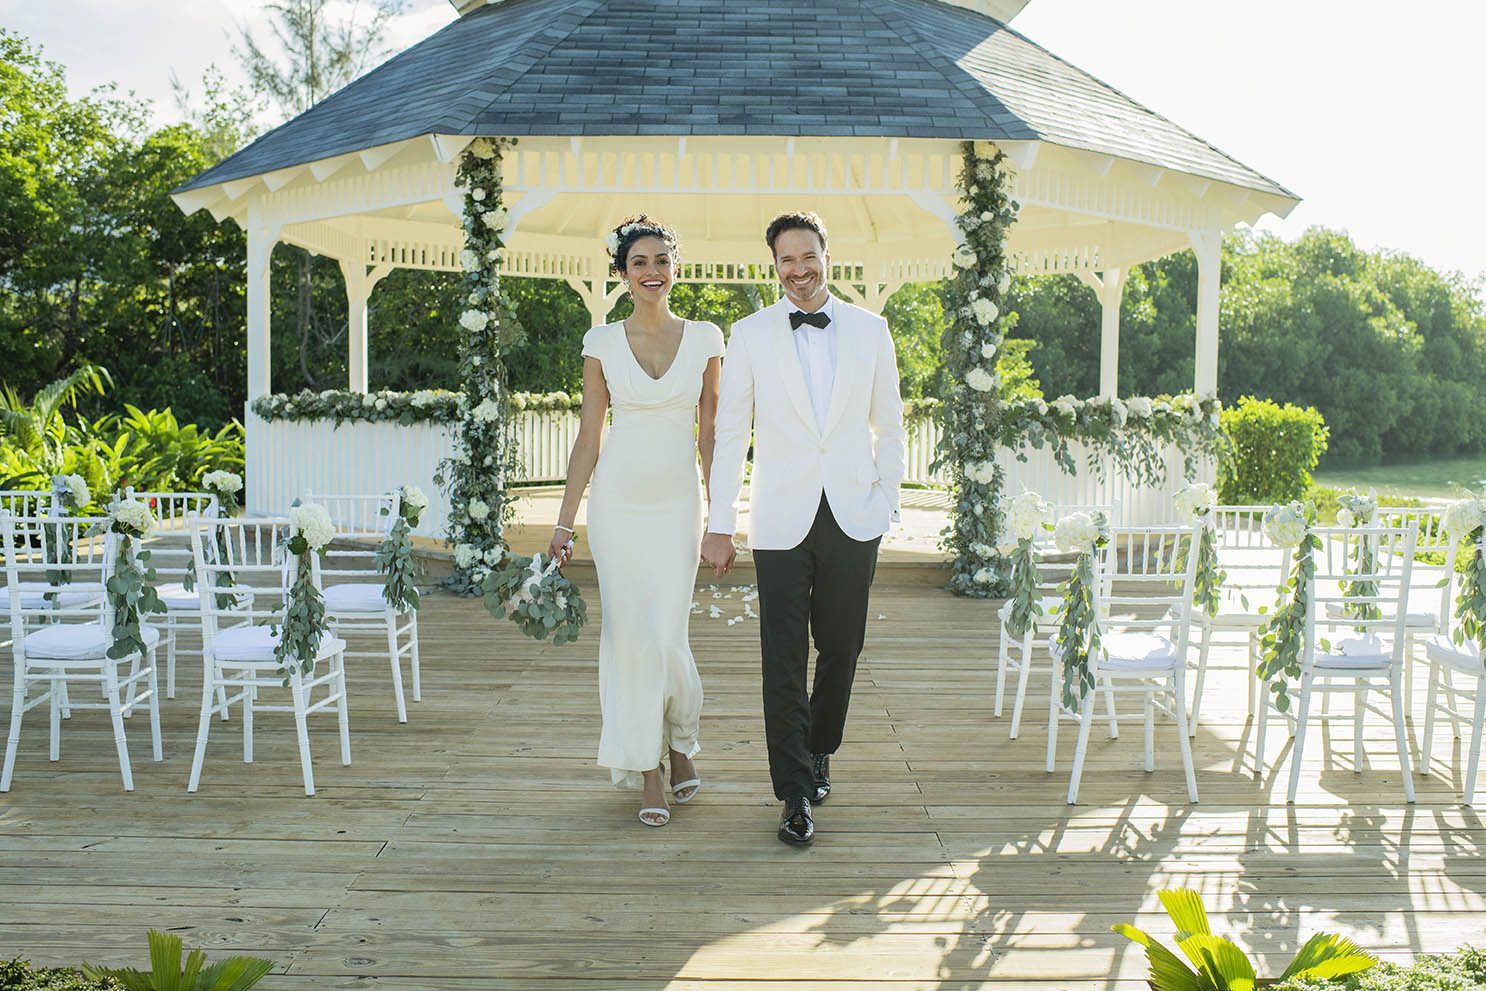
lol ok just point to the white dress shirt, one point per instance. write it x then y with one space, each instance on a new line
816 348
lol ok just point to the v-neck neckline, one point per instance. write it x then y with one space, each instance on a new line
624 332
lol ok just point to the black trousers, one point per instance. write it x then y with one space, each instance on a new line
817 588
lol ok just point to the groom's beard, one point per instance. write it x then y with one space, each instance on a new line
820 288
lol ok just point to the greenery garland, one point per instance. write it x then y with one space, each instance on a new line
224 487
1358 511
1078 637
402 408
485 453
304 622
972 410
1467 519
1283 635
130 586
1198 502
395 554
1029 514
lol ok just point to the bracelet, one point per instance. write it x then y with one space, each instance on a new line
569 529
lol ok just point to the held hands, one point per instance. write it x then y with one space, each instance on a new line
719 551
561 548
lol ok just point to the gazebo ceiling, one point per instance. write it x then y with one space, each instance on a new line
648 68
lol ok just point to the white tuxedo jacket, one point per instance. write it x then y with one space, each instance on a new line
858 461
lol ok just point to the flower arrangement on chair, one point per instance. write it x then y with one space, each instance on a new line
1465 520
1358 511
1283 636
1029 513
224 487
395 555
130 589
540 600
304 615
1078 636
1197 502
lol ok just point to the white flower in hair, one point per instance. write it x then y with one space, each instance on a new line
312 521
612 243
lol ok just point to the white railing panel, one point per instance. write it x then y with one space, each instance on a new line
285 458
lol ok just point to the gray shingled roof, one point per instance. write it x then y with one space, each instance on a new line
885 68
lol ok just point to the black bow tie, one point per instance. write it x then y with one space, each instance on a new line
817 319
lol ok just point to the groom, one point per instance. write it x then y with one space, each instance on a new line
814 380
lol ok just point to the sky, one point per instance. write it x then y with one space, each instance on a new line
1368 110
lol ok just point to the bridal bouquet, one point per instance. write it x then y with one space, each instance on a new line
540 600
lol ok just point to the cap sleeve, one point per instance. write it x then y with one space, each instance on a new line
715 345
593 342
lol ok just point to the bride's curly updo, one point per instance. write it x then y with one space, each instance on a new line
630 230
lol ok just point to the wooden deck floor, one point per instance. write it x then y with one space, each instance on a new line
479 847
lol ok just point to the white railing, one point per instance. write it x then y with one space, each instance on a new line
285 458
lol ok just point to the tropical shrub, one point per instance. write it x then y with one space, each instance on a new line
1465 971
1274 449
168 973
18 975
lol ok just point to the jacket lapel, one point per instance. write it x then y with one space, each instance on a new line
788 360
846 368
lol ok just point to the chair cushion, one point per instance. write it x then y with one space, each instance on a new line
255 644
354 597
1353 653
1138 651
77 642
34 595
1465 658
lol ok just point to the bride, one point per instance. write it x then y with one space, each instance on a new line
660 374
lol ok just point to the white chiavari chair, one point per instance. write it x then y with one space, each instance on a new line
73 647
353 591
170 555
1448 660
240 632
1142 601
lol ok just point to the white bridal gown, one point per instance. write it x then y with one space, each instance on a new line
645 531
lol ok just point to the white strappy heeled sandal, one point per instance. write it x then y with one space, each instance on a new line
695 784
662 815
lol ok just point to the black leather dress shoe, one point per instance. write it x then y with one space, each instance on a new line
796 826
820 764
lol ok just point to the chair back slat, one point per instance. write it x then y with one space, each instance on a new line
1333 588
30 503
367 518
255 566
172 510
44 552
1143 580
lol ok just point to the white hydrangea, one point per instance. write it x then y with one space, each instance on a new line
413 496
478 194
985 311
494 219
495 555
980 380
1285 526
982 550
1067 405
1196 500
1076 533
482 148
1041 406
1140 408
965 256
983 472
487 412
75 488
1004 283
478 510
988 350
464 555
983 576
473 320
222 481
1463 517
469 261
1118 409
1345 518
1360 509
1029 512
134 516
312 521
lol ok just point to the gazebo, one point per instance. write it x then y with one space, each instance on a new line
716 118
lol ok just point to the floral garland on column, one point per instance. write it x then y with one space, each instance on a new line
1197 502
485 452
971 414
1283 636
1466 520
131 596
1078 637
304 623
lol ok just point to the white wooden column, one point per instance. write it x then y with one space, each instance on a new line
360 281
1109 286
260 248
1208 246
